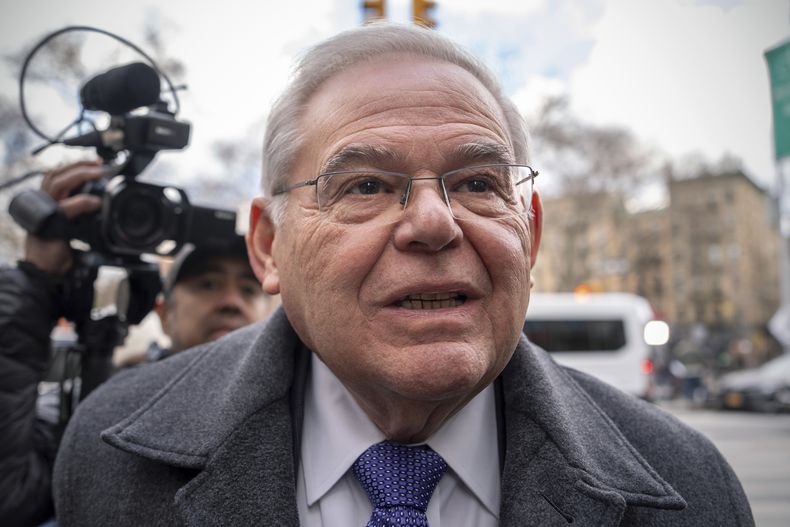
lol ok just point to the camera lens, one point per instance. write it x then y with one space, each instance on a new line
139 219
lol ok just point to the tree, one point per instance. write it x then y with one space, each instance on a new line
590 173
587 159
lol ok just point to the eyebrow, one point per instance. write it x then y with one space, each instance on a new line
377 155
359 154
483 152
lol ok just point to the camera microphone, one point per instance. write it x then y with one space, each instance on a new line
122 89
89 139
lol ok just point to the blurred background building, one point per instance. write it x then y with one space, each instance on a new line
707 259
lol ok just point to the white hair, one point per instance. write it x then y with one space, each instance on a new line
284 137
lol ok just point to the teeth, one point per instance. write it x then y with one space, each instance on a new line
432 301
432 296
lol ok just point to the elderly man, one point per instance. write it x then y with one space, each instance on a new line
394 386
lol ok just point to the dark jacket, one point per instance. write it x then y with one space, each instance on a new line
209 437
28 311
31 302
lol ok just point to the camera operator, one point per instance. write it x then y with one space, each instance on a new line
206 295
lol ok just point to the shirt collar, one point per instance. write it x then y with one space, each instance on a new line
468 443
336 432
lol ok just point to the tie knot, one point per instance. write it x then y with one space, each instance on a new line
395 475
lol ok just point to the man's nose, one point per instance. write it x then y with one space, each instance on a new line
427 223
231 297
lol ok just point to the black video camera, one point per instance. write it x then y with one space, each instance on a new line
135 218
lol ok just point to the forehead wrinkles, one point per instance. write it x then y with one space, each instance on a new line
371 155
443 96
391 136
448 106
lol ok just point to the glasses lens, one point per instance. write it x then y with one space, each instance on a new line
489 191
475 193
361 196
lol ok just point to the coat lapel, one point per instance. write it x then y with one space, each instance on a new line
565 460
256 488
226 417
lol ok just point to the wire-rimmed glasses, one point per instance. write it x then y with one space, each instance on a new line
482 192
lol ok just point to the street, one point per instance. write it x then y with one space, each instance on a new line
758 448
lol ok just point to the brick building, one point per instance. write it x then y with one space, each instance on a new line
710 256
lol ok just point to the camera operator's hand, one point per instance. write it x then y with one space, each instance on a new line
54 256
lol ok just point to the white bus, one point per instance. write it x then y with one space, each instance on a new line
608 335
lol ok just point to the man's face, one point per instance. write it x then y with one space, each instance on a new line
343 286
202 307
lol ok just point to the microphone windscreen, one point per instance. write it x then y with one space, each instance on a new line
121 89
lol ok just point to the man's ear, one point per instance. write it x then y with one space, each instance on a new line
260 239
535 227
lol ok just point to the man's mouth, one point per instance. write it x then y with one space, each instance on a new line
224 328
432 301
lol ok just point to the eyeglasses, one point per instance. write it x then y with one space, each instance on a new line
483 192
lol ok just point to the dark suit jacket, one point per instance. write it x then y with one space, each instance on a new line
208 436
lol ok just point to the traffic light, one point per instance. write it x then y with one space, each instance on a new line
421 12
373 9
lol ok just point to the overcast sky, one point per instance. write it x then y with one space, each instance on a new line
684 75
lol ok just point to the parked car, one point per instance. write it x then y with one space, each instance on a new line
762 389
608 335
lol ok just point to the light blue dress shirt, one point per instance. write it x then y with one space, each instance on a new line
336 431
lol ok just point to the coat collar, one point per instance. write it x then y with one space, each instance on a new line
224 384
228 415
564 457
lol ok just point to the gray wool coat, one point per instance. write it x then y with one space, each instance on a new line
210 436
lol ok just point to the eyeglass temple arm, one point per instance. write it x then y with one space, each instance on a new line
534 173
301 184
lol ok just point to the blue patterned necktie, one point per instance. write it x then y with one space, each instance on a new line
399 481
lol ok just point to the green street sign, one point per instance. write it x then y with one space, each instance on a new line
778 60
